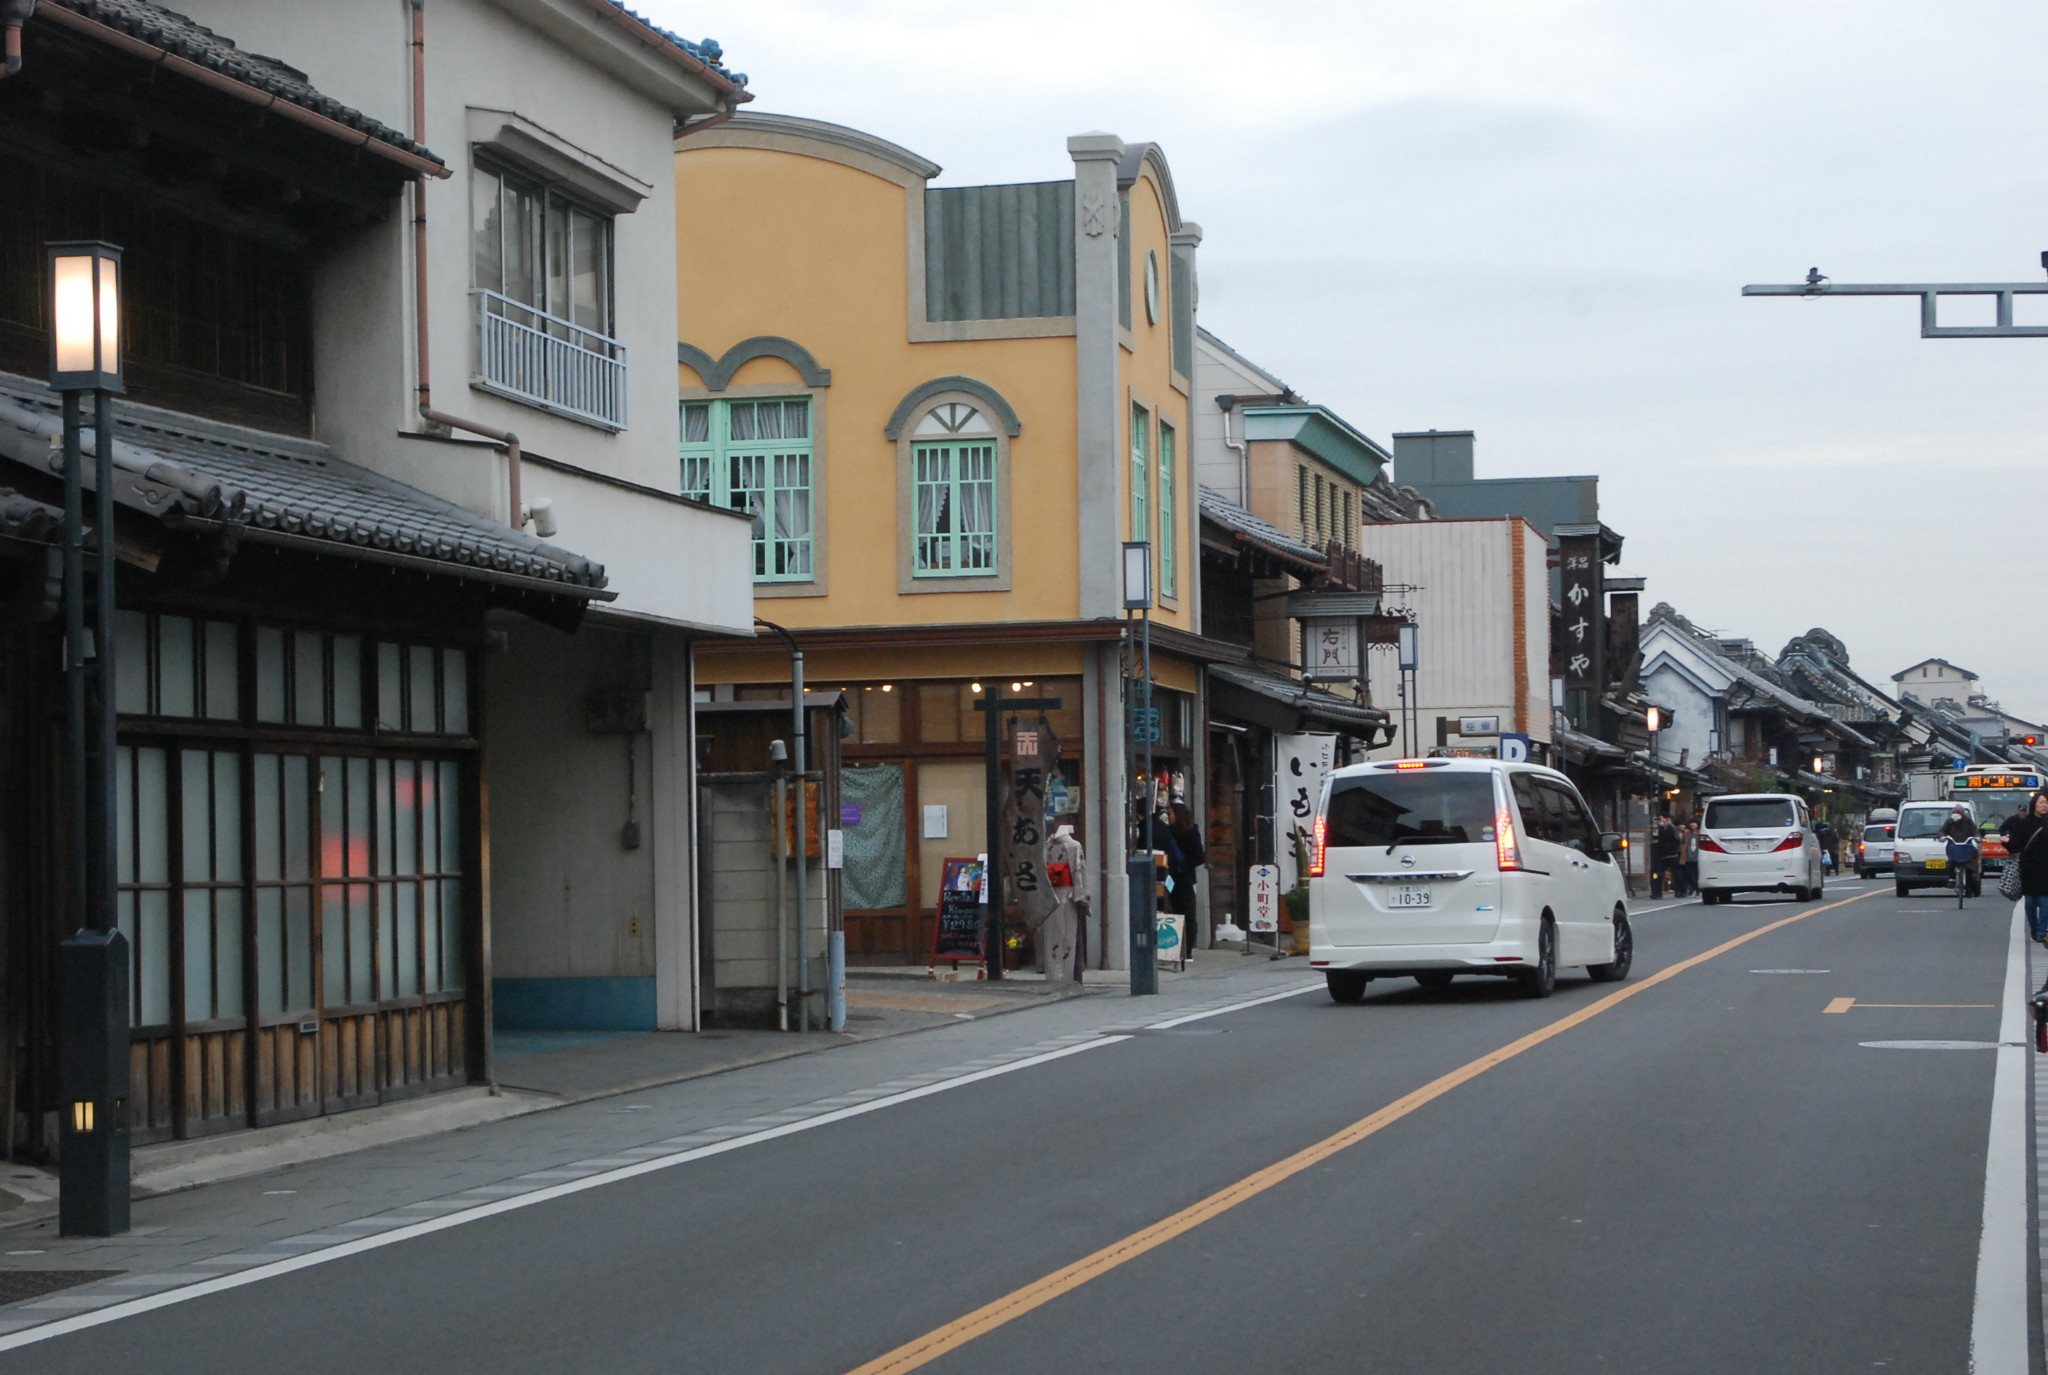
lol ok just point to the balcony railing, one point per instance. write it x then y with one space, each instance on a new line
549 362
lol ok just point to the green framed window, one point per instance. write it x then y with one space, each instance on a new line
756 456
955 503
1169 511
1141 474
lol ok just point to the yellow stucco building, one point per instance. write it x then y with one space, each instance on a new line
948 408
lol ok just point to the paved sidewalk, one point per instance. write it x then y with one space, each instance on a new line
303 1209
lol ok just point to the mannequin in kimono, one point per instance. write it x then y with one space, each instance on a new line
1059 938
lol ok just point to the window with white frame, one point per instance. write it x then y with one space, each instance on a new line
756 456
541 272
953 497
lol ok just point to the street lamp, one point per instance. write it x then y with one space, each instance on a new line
1144 891
92 961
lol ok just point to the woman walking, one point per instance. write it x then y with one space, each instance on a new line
2026 844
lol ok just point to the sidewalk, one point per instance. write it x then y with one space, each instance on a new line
343 1202
538 1071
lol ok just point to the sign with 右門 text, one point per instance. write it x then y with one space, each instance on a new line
1329 648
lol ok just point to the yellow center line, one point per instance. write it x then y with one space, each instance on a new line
936 1343
1839 1005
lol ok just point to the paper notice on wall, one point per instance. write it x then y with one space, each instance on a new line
835 849
935 821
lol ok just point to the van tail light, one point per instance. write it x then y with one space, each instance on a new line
1901 857
1712 846
1315 859
1505 848
1791 842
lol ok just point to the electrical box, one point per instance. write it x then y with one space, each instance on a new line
616 713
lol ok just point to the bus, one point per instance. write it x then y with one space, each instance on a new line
1997 791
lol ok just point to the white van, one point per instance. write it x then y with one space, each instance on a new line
1433 868
1759 843
1920 854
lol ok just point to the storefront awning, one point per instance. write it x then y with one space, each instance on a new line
1287 705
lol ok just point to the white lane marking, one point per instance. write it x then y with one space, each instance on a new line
1664 907
271 1269
1234 1007
1998 1319
1791 971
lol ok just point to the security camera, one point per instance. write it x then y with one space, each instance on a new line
541 510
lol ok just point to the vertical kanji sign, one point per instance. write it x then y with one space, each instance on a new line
1582 626
1034 754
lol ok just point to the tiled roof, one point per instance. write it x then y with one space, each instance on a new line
1321 708
24 518
1234 518
705 50
290 491
187 38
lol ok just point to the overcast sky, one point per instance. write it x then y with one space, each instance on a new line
1532 218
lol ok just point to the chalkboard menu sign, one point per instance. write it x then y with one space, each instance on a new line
956 935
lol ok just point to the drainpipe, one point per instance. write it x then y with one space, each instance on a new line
508 441
1243 451
14 13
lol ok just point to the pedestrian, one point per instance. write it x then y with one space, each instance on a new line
1825 834
1187 844
1664 848
1689 859
2025 847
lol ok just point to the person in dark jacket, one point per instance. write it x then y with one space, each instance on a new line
1187 846
1664 848
2026 844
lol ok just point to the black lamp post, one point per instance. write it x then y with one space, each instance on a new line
1144 880
92 962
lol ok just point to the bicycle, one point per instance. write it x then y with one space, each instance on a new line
1961 855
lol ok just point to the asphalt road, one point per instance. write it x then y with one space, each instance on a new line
1711 1174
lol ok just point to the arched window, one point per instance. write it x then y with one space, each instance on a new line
953 501
953 437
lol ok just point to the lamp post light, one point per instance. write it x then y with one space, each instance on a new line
92 961
1144 890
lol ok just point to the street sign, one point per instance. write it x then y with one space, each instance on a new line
1514 749
1265 885
1479 725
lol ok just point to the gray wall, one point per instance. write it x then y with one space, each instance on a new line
564 890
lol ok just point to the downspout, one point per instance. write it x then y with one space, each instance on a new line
508 441
15 13
1242 449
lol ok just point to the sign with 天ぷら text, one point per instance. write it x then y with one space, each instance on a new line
1265 886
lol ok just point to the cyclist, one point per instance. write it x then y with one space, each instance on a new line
1961 834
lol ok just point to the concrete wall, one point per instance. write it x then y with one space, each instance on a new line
1221 372
1465 608
570 903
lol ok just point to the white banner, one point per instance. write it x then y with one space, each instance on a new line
1303 763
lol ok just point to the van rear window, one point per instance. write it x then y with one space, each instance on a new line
1751 814
1875 833
1427 806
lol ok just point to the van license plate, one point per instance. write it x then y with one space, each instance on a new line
1937 864
1409 897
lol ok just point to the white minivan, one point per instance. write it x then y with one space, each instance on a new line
1759 843
1432 868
